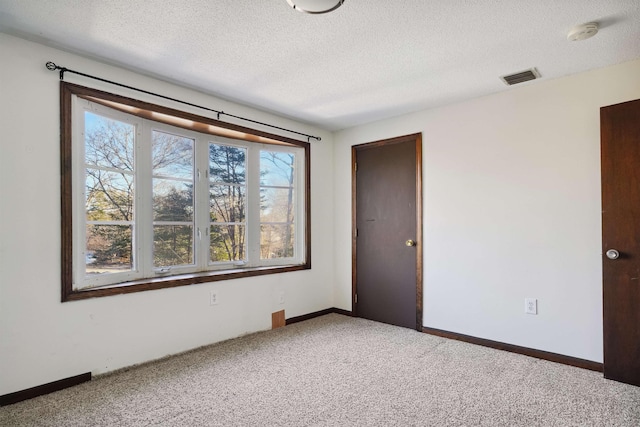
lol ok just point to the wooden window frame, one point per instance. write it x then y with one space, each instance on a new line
176 118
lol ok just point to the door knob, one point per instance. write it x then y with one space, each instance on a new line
613 254
410 242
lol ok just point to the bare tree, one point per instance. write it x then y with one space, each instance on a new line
281 175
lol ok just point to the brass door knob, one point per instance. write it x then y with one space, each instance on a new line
410 242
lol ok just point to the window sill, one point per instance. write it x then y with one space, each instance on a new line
179 280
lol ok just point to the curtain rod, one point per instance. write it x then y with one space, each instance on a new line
51 66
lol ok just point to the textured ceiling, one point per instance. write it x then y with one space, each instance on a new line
368 60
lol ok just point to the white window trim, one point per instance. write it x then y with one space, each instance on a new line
143 232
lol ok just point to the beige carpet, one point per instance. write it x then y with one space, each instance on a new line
339 371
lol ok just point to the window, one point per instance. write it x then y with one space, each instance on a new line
154 197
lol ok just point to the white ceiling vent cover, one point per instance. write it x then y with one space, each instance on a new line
521 77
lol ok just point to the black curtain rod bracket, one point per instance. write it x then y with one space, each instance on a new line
51 66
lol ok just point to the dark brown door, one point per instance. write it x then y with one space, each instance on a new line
387 244
620 145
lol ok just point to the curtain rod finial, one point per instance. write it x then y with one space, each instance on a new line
51 66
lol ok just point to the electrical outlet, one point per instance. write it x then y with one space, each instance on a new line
531 306
281 297
213 298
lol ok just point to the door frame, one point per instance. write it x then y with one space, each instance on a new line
417 137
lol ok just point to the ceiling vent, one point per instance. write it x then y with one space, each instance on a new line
521 77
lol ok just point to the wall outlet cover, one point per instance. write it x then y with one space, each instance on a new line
531 306
213 298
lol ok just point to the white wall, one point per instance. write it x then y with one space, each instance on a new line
42 339
511 210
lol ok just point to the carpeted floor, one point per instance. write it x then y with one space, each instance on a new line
339 371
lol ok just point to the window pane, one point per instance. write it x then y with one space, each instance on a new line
172 155
108 143
108 249
109 196
227 243
227 203
276 168
227 164
172 200
276 205
276 241
132 201
172 245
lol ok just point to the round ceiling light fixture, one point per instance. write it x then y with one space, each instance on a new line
583 32
315 6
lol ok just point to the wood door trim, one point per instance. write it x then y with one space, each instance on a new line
419 249
417 137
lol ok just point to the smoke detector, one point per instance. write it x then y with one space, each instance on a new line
583 32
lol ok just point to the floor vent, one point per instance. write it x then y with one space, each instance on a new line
521 77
